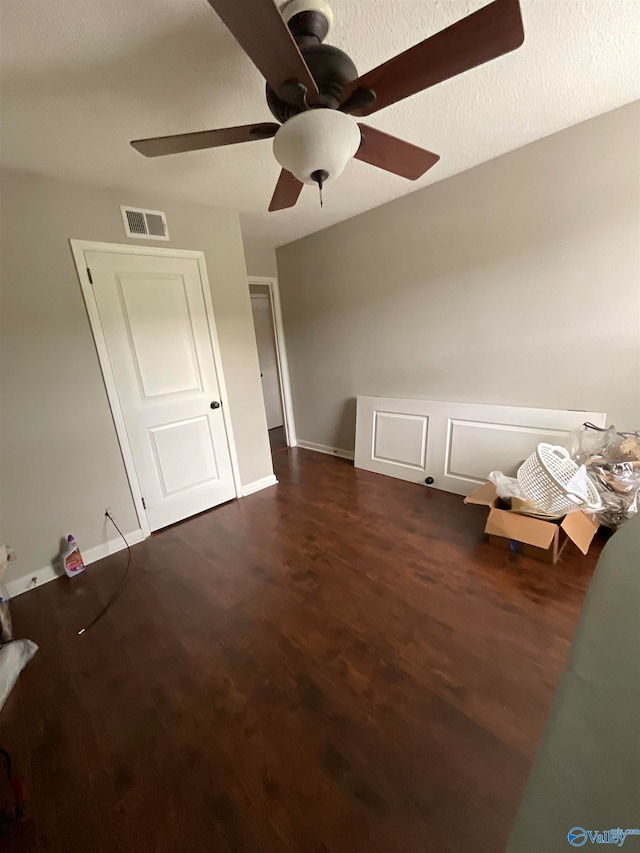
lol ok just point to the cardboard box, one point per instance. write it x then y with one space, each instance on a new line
532 537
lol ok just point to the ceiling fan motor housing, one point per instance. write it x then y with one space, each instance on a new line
309 22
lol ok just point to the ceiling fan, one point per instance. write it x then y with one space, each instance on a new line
313 89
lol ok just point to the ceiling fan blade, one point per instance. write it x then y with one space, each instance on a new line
488 33
262 33
393 154
158 146
286 192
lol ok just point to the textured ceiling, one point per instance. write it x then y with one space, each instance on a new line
80 78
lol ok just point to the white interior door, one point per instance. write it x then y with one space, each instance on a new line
268 358
158 335
455 444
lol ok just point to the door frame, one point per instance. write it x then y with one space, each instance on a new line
281 354
78 250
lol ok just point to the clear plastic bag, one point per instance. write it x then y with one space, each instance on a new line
506 487
612 460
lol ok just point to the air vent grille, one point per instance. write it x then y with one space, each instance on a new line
155 224
136 222
144 224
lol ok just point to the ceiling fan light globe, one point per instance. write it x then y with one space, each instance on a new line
317 140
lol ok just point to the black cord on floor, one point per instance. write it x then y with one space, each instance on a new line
122 580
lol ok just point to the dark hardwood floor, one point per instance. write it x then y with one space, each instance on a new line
277 440
340 663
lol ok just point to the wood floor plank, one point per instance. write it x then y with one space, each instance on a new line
338 663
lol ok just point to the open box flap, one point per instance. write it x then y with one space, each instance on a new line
521 528
581 529
486 495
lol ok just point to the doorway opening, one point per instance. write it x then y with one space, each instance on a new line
272 356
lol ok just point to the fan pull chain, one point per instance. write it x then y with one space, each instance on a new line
320 176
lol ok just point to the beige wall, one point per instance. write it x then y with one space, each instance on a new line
259 257
60 462
517 283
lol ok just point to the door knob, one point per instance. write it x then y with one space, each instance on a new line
215 404
429 481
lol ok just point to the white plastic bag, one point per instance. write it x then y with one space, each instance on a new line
14 656
6 629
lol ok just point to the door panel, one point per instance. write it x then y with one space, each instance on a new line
267 356
180 471
400 439
457 444
394 437
271 395
162 344
157 332
475 446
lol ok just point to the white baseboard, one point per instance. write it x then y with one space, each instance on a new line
257 485
49 573
323 448
23 584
